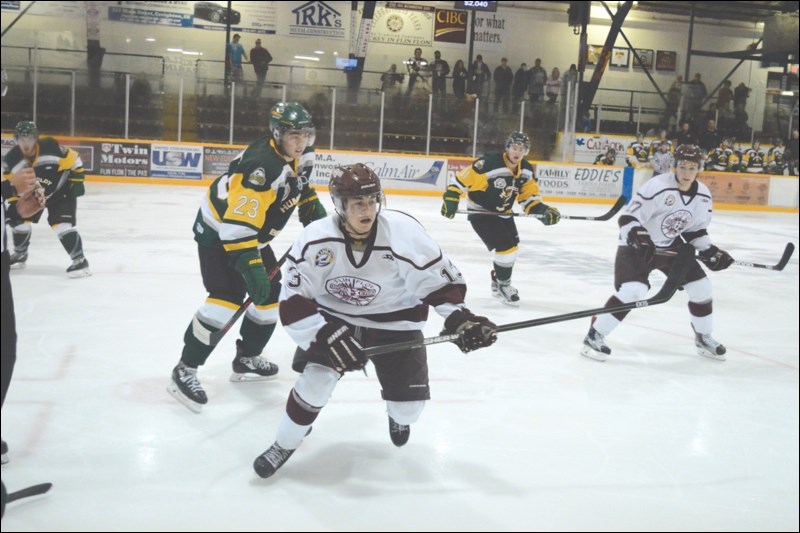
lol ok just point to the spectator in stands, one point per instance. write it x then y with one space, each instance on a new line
537 77
390 79
459 79
553 86
503 77
695 95
441 69
260 58
479 76
709 139
520 85
234 54
724 96
673 101
685 135
416 66
608 158
141 91
570 77
740 94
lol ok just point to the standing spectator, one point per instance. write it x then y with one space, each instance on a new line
520 85
333 307
697 92
479 76
740 94
235 53
459 79
440 71
709 139
60 171
570 77
673 101
415 65
537 77
724 96
503 77
390 79
553 86
260 58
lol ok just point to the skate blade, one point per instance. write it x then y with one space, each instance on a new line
507 302
175 392
17 266
590 353
252 377
710 355
85 273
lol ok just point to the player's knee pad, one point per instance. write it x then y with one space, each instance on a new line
506 258
315 385
699 291
405 413
63 228
263 314
632 291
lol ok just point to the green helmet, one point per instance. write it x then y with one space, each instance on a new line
26 128
290 116
519 137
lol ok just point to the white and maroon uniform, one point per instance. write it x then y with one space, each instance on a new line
388 285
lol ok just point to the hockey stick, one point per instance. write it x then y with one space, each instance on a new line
674 280
215 336
780 265
34 490
606 216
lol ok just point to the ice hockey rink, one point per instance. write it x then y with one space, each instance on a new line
526 435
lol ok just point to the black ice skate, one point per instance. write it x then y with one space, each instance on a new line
708 347
18 260
186 388
79 268
398 433
271 460
251 367
594 346
507 294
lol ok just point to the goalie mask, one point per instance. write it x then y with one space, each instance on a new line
290 116
354 181
521 139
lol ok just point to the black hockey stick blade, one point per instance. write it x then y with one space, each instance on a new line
677 274
34 490
619 204
215 336
787 254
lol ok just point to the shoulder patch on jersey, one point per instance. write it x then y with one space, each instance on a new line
258 177
324 257
354 291
479 164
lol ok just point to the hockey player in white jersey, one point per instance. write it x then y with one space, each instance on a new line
362 278
666 211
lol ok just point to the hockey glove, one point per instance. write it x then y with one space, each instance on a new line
76 188
450 204
473 331
311 209
640 240
550 215
252 269
337 343
716 259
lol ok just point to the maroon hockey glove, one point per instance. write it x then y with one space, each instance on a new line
640 240
716 259
473 331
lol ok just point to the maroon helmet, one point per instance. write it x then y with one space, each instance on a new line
689 152
353 181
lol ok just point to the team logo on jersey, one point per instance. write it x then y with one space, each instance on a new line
323 258
257 177
388 257
670 200
674 223
500 183
354 291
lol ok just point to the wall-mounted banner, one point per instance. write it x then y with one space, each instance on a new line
252 17
579 181
737 189
177 161
491 31
399 26
217 159
588 147
123 158
87 153
450 26
395 171
316 19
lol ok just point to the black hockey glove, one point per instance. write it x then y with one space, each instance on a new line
549 215
474 332
716 259
344 352
640 240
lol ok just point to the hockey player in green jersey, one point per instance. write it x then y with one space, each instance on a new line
492 183
241 214
59 170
